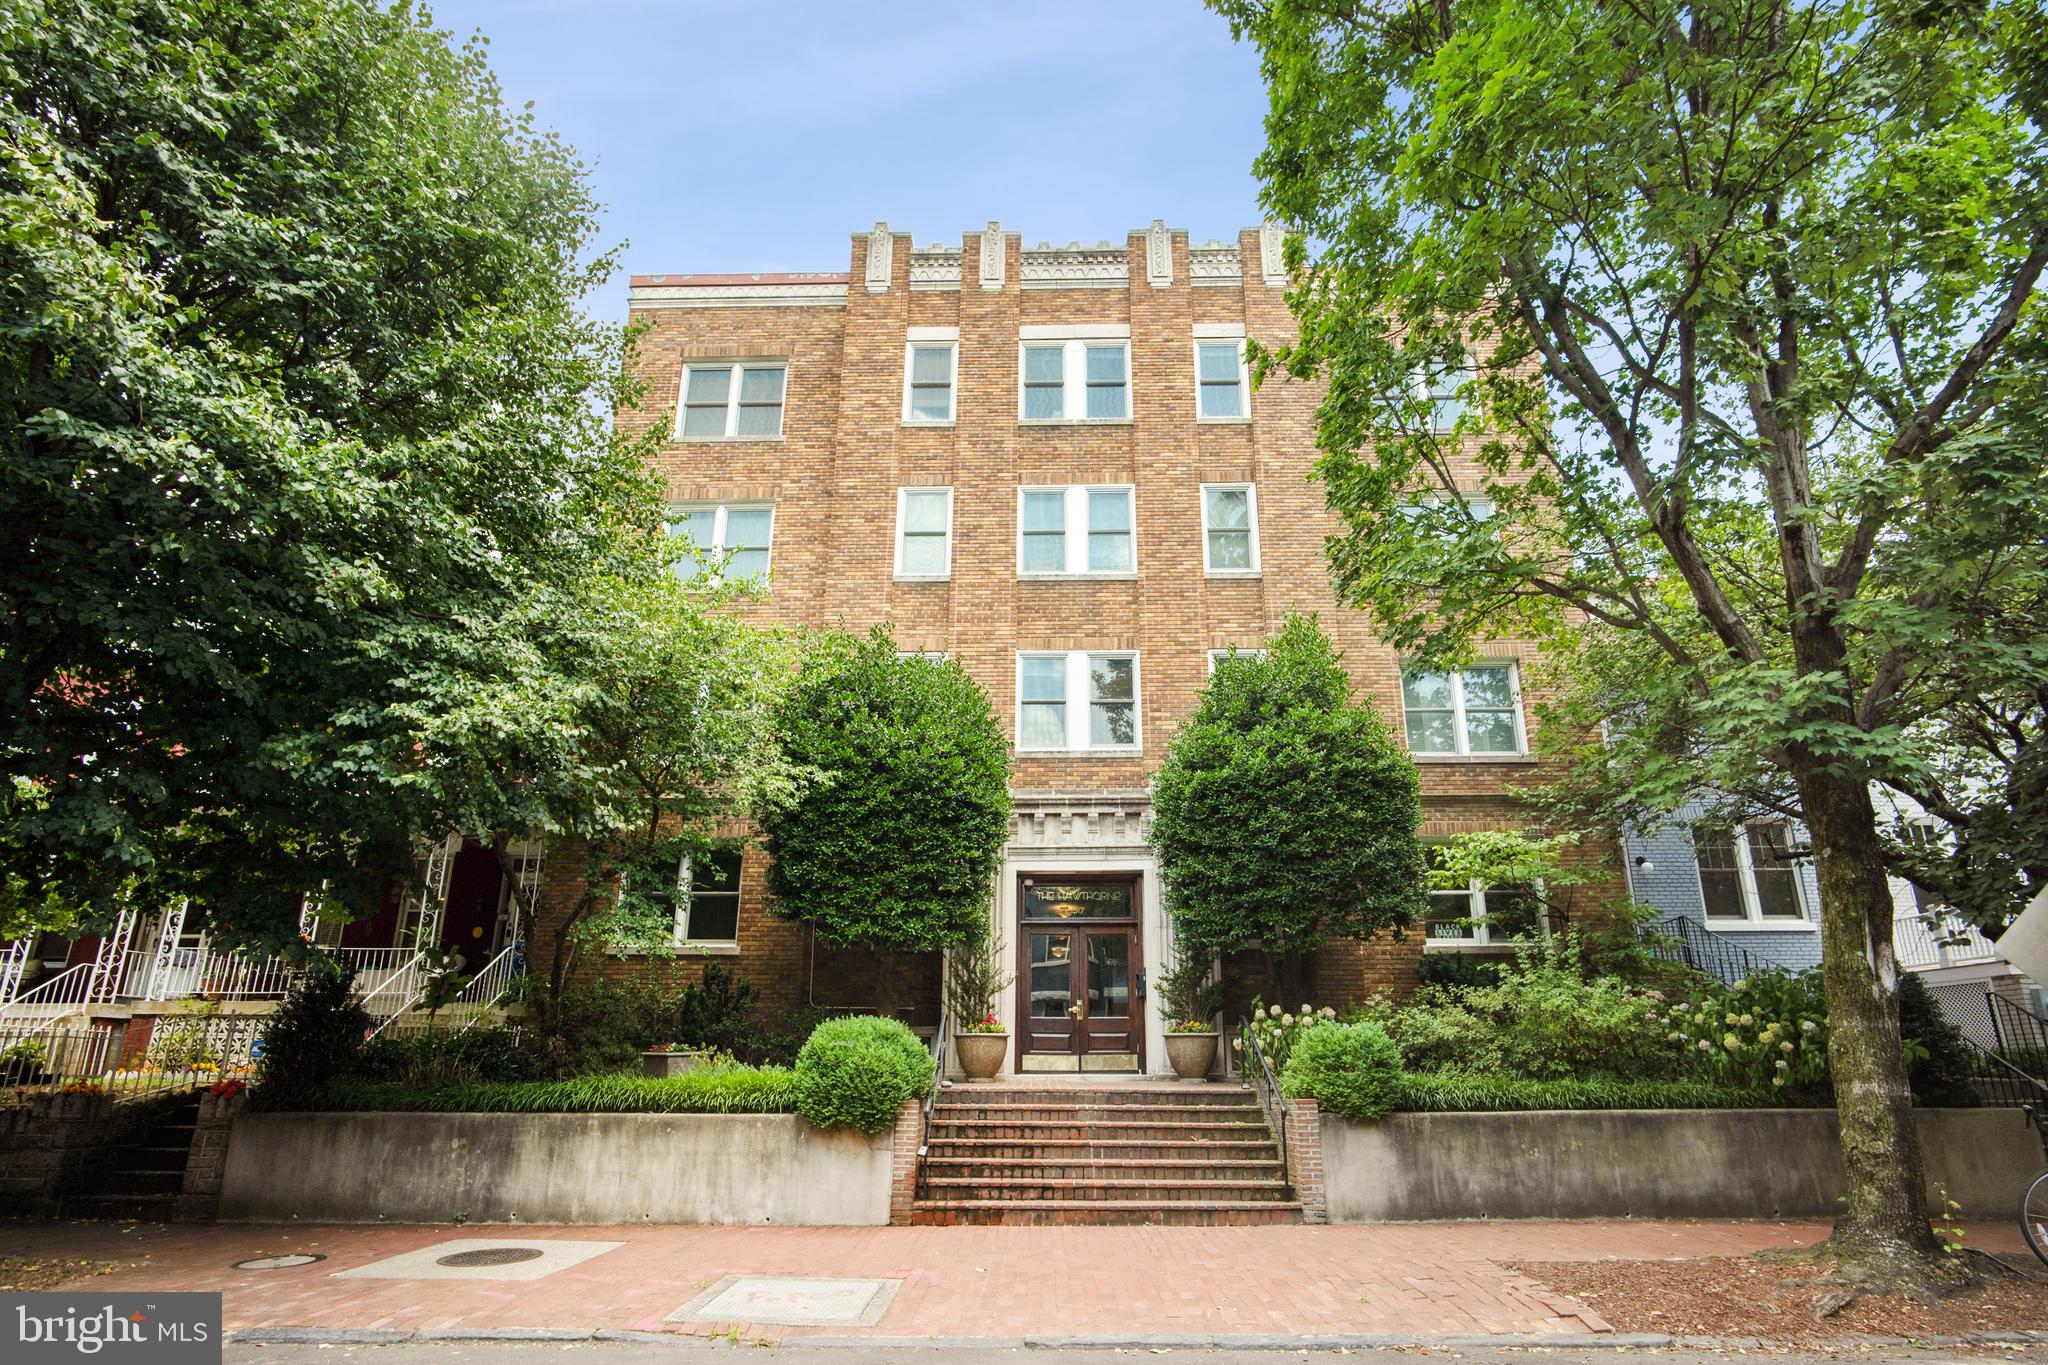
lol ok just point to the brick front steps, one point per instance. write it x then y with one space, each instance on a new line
1039 1154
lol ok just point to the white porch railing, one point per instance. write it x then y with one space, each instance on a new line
1933 939
52 1000
490 985
395 994
13 961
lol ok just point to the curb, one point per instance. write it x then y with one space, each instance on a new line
1597 1341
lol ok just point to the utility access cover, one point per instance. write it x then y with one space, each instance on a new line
791 1301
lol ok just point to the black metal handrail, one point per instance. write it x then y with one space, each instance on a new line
924 1134
1684 939
1258 1075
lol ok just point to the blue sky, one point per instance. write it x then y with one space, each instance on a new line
750 135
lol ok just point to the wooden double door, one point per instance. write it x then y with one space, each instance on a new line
1080 973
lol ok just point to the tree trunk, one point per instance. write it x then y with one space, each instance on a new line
1885 1217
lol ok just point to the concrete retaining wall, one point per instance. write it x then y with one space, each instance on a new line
553 1168
1717 1163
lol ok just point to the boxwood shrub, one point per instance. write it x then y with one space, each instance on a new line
718 1090
1352 1070
1454 1093
856 1072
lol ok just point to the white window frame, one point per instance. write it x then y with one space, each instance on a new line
1075 341
1464 750
1475 911
902 505
686 902
718 547
1216 334
1251 507
1074 533
1463 372
929 338
736 364
1217 656
1753 919
1077 701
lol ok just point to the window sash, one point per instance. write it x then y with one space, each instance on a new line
930 373
1220 379
1074 380
1441 387
1745 878
1230 534
1076 701
1447 722
744 403
705 903
747 547
924 532
1077 531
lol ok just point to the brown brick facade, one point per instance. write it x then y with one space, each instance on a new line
845 451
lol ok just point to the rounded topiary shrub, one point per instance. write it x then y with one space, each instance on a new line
1351 1070
856 1073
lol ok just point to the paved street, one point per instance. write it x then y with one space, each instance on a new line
698 1352
1044 1284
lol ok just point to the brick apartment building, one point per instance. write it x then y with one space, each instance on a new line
1047 463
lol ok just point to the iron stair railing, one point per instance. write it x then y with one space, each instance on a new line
1685 940
1259 1078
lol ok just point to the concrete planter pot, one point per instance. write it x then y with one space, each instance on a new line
1192 1054
672 1063
981 1054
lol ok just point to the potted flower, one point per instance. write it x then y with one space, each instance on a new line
1188 1001
672 1059
974 978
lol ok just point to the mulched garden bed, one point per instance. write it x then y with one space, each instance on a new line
1740 1296
28 1275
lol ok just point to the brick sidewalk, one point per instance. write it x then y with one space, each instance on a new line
1401 1279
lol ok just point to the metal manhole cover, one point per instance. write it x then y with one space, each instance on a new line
277 1262
491 1256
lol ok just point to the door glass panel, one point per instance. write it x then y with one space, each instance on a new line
1087 900
1052 988
1109 976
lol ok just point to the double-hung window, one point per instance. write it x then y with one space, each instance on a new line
1222 382
1475 711
1444 388
931 373
708 899
924 532
732 400
1076 530
1474 914
1078 701
731 538
1751 876
1074 374
1230 530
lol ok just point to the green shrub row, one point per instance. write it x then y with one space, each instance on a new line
857 1072
1458 1094
719 1090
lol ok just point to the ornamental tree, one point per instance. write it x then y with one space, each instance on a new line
895 844
305 466
1728 302
1285 813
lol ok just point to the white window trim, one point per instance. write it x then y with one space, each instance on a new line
902 502
1468 373
1464 752
1482 937
718 547
1075 532
1217 656
1077 702
1244 383
1753 920
1251 507
732 396
685 902
1074 373
910 349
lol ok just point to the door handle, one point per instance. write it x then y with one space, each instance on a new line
1077 1010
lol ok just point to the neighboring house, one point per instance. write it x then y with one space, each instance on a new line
1750 899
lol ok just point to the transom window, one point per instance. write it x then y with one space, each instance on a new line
1077 700
1475 711
931 371
1075 379
1230 531
708 898
732 539
1076 530
1221 381
1477 914
1750 875
924 532
733 400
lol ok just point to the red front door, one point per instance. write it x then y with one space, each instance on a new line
1077 968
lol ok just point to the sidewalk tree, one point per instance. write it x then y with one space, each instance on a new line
1729 302
895 843
305 460
1285 813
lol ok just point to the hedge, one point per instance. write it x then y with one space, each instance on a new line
856 1073
720 1090
1438 1093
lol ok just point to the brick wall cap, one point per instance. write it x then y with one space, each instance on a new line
711 281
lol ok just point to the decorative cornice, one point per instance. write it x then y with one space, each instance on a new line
1073 266
1215 263
1272 265
994 256
1075 820
935 267
881 257
1158 254
817 290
